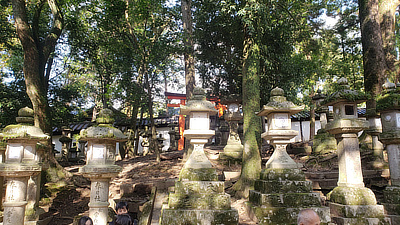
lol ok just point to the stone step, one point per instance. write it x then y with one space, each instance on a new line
197 201
283 215
369 221
355 211
328 180
184 217
282 174
392 195
285 199
270 187
199 187
391 209
335 174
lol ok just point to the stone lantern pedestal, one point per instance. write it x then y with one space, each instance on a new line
100 167
282 190
22 160
233 151
199 197
389 107
350 202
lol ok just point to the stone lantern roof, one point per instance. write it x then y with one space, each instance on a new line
390 100
233 98
345 94
198 103
278 103
24 129
103 129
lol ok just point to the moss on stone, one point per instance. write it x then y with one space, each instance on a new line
352 196
211 201
282 174
202 174
285 199
194 217
388 101
286 186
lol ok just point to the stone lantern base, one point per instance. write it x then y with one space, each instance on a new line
199 202
392 203
233 152
199 197
355 205
280 194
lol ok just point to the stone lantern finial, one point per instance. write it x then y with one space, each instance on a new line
25 115
389 86
105 117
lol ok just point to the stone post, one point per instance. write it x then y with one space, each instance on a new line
22 160
282 190
375 128
100 163
350 202
172 142
199 197
389 108
233 151
3 146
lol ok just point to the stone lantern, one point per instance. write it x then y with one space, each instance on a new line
350 202
323 142
233 150
199 197
100 163
279 133
172 141
322 110
282 191
22 160
389 107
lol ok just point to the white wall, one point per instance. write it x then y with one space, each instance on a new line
306 129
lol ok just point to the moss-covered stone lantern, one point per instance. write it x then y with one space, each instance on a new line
199 197
350 194
282 191
233 151
100 163
388 104
22 159
279 133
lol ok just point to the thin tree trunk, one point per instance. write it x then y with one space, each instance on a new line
312 116
186 7
153 139
137 134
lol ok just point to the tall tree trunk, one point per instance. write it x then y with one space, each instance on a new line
387 10
36 54
251 161
186 7
377 45
37 51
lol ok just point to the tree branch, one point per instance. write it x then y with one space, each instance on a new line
21 22
55 32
